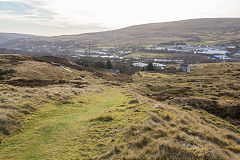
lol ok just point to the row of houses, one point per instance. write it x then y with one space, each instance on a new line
183 67
141 64
209 50
221 57
168 60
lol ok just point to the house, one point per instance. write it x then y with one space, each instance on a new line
80 51
231 47
114 70
139 64
158 65
162 60
220 57
210 51
185 68
238 53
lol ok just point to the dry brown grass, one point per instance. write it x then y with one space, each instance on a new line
184 134
42 71
23 92
17 102
171 131
214 88
9 120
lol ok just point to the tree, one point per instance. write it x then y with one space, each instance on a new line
109 65
150 67
99 64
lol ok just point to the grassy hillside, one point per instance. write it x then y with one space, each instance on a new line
195 30
212 87
186 30
80 113
4 37
81 129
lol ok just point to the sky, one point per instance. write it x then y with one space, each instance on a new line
64 17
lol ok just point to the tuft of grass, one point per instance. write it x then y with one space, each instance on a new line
140 142
103 119
133 101
188 108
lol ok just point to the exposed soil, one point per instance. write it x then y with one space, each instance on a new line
30 83
222 109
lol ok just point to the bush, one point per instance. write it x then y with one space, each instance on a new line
189 108
150 67
62 81
109 65
133 101
103 118
10 71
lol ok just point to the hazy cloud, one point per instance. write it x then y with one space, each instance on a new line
77 16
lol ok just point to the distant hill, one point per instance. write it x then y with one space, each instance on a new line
187 30
13 51
4 37
194 30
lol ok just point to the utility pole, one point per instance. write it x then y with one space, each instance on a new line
88 45
89 48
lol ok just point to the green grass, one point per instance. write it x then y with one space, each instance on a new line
66 131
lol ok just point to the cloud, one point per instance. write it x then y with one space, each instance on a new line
98 15
49 13
20 11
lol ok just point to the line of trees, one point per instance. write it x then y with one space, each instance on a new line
95 64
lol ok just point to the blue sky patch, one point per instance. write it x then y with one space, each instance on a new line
16 8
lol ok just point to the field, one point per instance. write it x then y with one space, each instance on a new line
83 113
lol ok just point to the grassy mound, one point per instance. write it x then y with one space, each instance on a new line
173 133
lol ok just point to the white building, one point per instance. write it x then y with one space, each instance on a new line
80 51
185 67
162 60
99 53
238 53
158 65
221 57
213 52
231 47
139 64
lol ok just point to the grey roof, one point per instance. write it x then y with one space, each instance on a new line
184 65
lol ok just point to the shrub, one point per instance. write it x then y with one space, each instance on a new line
10 71
189 108
133 101
103 119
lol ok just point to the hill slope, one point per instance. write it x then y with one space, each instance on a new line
212 29
4 37
186 30
82 116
